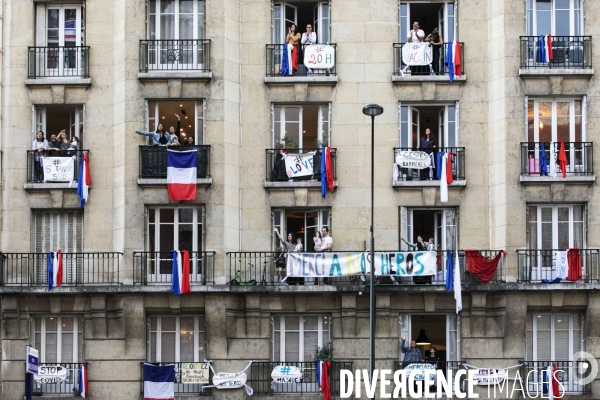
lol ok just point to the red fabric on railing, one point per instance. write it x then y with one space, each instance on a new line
482 267
574 260
562 158
325 378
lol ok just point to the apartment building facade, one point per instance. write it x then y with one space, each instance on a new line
102 70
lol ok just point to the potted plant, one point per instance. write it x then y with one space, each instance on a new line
286 143
320 143
324 353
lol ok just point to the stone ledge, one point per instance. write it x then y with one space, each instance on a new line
418 184
50 186
547 180
167 74
428 78
544 72
67 81
159 182
310 80
294 184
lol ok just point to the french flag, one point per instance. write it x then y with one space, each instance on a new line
83 380
55 269
159 382
550 382
181 272
181 174
85 180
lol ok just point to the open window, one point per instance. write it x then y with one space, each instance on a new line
301 223
441 119
300 14
191 113
53 119
429 15
306 125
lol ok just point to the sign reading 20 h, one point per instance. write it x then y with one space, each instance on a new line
319 56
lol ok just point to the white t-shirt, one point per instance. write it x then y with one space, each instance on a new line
414 37
327 240
299 248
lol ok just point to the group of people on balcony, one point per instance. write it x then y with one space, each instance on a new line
171 138
291 52
435 40
58 146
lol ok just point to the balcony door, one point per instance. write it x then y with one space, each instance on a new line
441 119
52 119
300 223
411 11
307 125
554 17
61 30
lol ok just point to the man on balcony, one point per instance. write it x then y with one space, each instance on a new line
412 354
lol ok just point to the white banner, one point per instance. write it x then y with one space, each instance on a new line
417 53
51 374
59 169
327 264
489 376
319 56
413 159
298 164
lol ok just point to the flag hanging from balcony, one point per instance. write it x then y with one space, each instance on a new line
453 278
562 158
323 173
159 382
83 381
323 378
550 382
84 181
181 174
55 269
181 272
484 268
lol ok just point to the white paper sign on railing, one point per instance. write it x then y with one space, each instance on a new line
413 159
319 56
417 53
51 374
59 169
298 164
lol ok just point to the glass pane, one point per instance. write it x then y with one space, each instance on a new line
292 114
167 6
562 23
167 352
186 26
186 237
292 323
186 215
291 346
186 344
561 345
67 324
167 27
563 228
168 324
51 348
325 329
311 323
311 341
51 324
167 215
546 228
276 344
67 348
152 347
187 6
561 322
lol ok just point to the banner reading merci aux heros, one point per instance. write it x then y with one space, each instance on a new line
332 264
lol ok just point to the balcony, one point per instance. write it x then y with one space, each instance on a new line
178 59
153 165
249 268
276 173
537 266
181 389
156 268
58 65
62 173
439 74
569 375
312 77
572 56
411 177
79 269
579 169
67 388
260 378
450 368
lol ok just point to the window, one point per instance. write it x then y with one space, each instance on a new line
307 125
301 223
442 330
58 230
53 119
411 11
554 17
191 114
59 339
176 19
176 339
550 120
301 14
296 337
553 336
555 226
441 119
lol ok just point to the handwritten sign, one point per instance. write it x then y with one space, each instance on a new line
194 373
422 370
51 374
489 376
413 159
299 165
286 374
59 169
227 380
417 54
319 56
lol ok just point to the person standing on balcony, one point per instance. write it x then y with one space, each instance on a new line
326 245
63 143
428 145
190 141
411 354
174 133
292 39
159 138
416 35
431 245
299 246
280 264
419 246
54 146
40 145
288 245
308 38
174 142
317 240
436 41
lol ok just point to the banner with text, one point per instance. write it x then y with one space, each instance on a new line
299 164
413 159
417 53
326 264
319 56
59 169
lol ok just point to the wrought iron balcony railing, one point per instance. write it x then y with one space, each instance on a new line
260 378
35 165
568 52
181 389
31 269
438 64
248 268
537 265
570 374
66 388
175 55
153 161
58 62
275 56
156 268
411 174
580 158
276 170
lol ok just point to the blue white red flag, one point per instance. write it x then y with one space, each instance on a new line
83 380
55 269
180 283
84 181
181 174
159 382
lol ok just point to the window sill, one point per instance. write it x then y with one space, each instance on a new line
67 81
50 186
168 74
456 184
541 180
428 78
544 72
310 80
296 184
162 182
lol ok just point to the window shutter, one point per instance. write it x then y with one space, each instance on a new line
40 25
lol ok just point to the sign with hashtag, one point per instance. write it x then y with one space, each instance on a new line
319 56
59 169
286 374
299 165
417 54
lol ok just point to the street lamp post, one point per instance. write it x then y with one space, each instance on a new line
372 110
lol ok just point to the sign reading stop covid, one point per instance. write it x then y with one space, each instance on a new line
51 374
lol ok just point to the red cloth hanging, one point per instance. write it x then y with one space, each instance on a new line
325 379
185 272
574 260
295 57
457 60
482 267
449 178
329 168
562 158
550 47
555 390
59 275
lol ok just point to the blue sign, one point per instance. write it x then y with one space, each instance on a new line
32 360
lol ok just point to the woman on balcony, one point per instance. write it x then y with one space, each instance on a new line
436 41
159 138
428 145
292 39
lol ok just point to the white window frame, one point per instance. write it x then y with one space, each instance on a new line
198 345
196 12
59 332
278 220
531 18
279 22
554 117
323 118
447 13
152 111
540 225
77 117
321 339
406 124
572 338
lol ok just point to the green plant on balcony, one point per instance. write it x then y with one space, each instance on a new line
324 353
286 142
320 143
